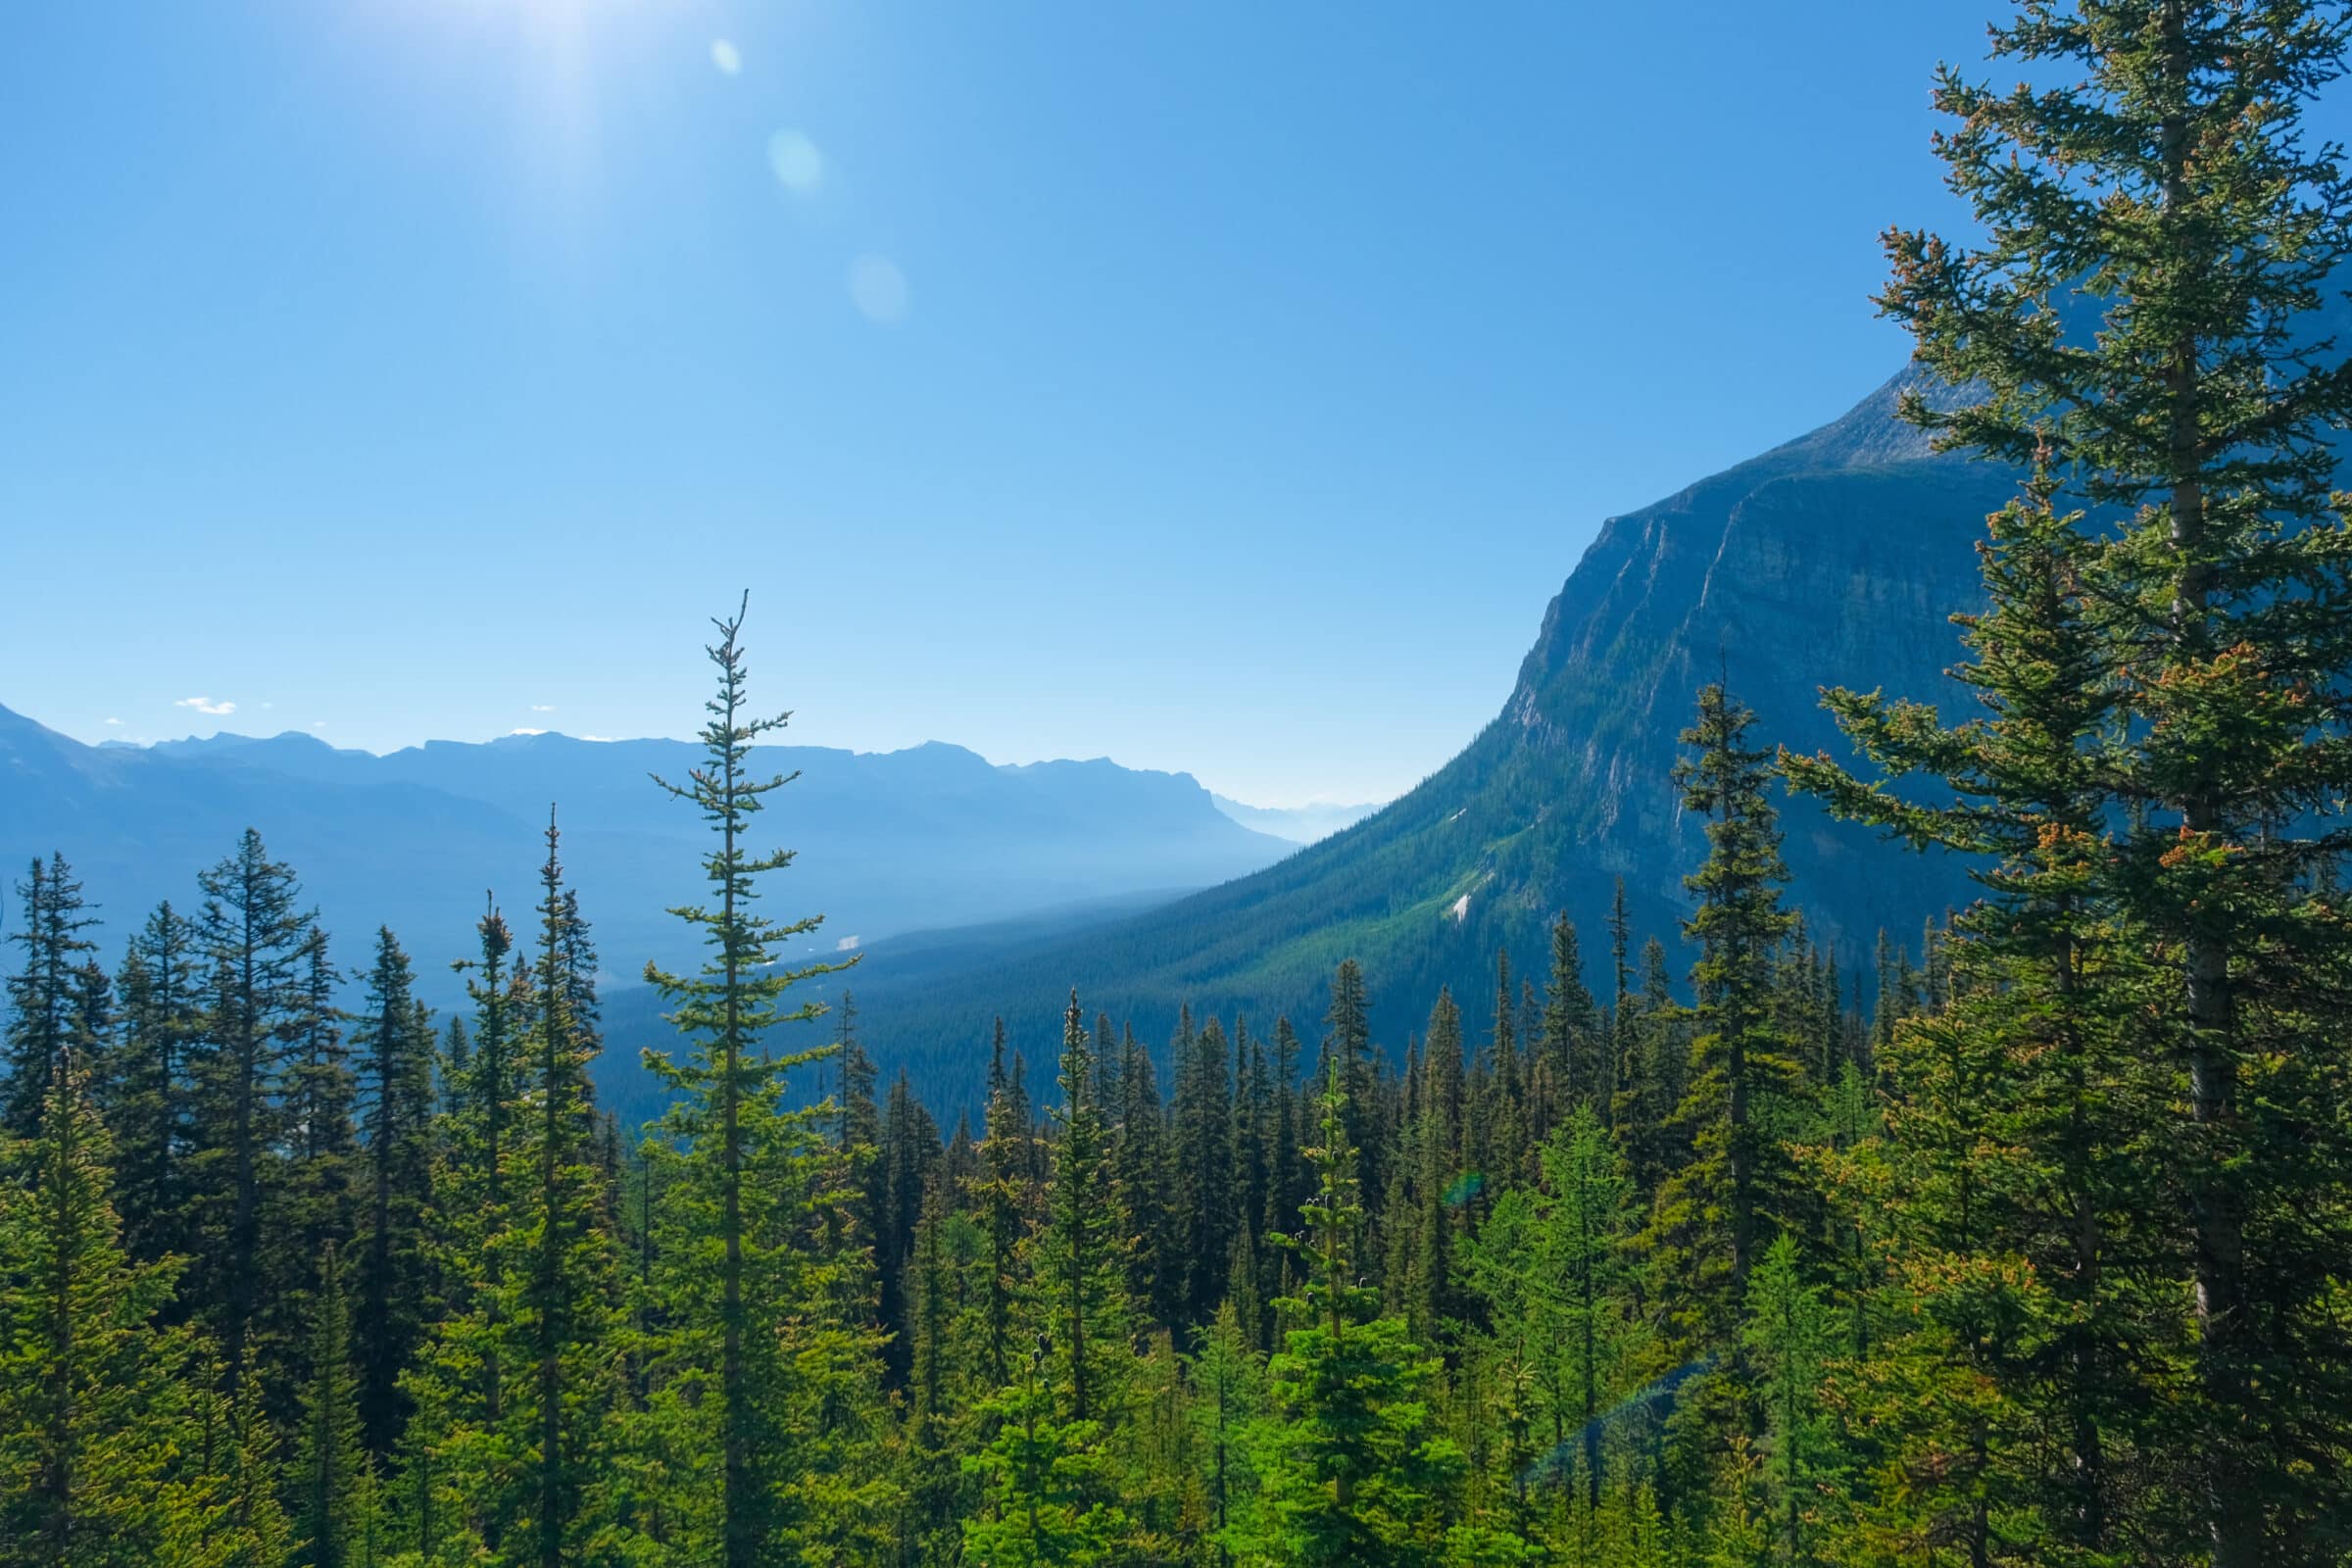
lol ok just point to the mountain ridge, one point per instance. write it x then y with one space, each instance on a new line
1834 557
919 838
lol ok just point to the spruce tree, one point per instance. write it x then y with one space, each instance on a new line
247 1284
1005 1199
41 992
2022 1108
101 1462
2157 230
731 1086
1551 1267
396 1055
319 1201
1228 1380
557 1307
1079 1268
1203 1164
163 1014
1047 1485
332 1482
1348 1462
1790 1335
1715 1212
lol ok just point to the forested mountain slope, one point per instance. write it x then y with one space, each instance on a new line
1838 558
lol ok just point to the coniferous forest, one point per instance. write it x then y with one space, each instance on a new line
1688 1247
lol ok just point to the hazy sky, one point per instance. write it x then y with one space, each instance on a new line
1223 387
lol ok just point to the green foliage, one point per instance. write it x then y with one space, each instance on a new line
1715 1211
106 1428
738 1173
334 1522
2158 776
43 1019
1047 1487
1347 1463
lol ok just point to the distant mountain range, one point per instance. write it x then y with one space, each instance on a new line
930 837
1300 824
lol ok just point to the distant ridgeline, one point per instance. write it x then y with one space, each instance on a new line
888 842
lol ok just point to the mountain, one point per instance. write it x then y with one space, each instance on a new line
1836 559
1300 824
928 837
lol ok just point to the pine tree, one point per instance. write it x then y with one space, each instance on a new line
1079 1268
1228 1381
563 1313
456 1387
322 1195
2021 1106
1203 1164
161 986
1621 1045
41 993
1438 1148
247 1284
1572 1043
99 1467
396 1053
1349 1044
733 1086
1345 1457
1550 1265
1714 1214
2193 417
1285 1184
1047 1485
1004 1200
330 1483
1788 1335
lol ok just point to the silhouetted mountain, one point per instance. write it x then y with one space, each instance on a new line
929 837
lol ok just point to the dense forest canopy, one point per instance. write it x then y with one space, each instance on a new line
1673 1247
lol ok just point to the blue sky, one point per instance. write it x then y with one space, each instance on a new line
1223 387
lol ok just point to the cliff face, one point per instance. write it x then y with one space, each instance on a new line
1835 559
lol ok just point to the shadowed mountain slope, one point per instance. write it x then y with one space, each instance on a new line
1836 559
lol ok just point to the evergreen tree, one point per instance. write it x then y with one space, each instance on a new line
162 1017
1437 1147
1006 1200
1228 1381
1572 1046
2164 190
1551 1266
1203 1164
2021 1108
101 1465
321 1196
563 1313
1047 1485
396 1053
1346 1461
731 1118
41 994
1079 1268
1713 1212
1348 1043
331 1516
246 1286
1789 1333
